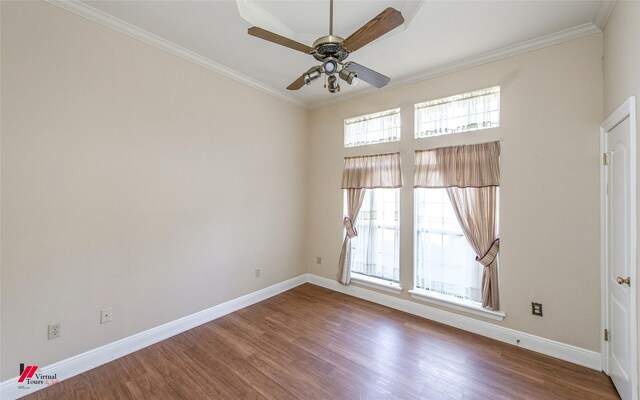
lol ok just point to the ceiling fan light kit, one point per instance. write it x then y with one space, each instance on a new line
332 50
332 84
330 65
311 75
349 76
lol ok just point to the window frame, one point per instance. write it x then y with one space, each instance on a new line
351 149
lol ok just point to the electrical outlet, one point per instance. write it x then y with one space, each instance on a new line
257 272
536 309
319 260
53 331
106 315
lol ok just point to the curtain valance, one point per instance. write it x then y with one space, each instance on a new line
371 172
458 166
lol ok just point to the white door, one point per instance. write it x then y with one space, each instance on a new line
620 243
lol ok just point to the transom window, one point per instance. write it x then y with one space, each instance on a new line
470 111
381 127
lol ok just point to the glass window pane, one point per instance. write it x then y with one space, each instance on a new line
445 262
375 251
471 111
379 127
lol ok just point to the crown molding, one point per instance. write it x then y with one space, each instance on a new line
255 14
128 29
544 41
409 10
604 12
116 24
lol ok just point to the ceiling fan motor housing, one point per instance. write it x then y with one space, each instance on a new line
329 46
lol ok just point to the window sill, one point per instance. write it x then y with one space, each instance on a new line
456 304
376 283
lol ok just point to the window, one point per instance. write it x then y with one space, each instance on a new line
371 219
456 234
375 251
380 127
445 262
471 111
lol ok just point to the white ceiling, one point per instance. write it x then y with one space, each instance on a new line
437 36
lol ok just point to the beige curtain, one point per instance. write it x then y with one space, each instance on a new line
355 197
359 174
461 166
371 172
471 175
475 209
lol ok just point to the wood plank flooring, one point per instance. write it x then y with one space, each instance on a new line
313 343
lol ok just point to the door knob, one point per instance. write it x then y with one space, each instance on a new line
623 281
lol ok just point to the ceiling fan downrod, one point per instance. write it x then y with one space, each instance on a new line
330 17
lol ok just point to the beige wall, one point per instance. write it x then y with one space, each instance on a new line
135 180
551 111
130 179
622 68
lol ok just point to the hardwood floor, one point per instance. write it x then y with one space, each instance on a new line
313 343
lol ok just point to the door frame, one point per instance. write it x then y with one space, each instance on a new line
626 110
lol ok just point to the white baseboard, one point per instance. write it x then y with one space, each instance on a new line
93 358
563 351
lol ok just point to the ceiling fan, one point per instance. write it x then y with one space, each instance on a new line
332 50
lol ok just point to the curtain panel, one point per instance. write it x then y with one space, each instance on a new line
355 197
475 210
359 174
471 176
458 166
372 172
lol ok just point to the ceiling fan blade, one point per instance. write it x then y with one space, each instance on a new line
297 84
277 39
384 22
368 75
